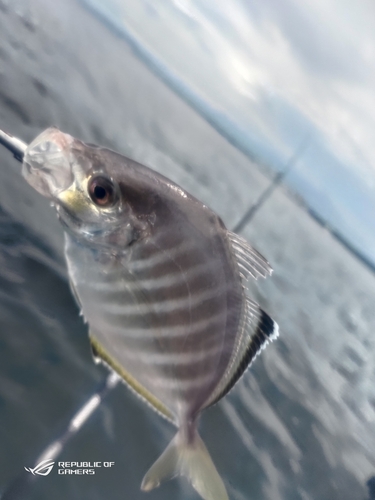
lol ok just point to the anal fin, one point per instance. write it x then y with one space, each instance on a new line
101 355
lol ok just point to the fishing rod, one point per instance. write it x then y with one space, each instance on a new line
19 487
15 146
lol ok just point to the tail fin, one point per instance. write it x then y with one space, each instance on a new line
191 460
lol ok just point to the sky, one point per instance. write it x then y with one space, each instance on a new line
279 77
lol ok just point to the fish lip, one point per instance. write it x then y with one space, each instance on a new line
64 213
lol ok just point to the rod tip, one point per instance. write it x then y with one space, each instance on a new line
14 145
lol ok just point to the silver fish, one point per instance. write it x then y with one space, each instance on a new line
161 283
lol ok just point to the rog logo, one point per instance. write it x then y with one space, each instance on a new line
43 468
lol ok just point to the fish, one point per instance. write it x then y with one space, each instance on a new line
162 284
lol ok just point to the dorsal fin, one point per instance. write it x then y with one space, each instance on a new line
250 261
256 330
102 356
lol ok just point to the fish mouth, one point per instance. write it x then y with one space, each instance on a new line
67 217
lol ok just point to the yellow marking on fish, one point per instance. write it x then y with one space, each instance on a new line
131 381
75 200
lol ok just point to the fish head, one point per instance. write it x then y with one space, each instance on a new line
82 186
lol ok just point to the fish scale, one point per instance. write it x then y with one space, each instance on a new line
161 283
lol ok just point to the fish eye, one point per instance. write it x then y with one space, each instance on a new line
102 191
